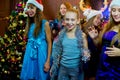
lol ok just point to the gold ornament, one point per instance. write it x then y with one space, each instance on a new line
2 60
21 22
14 24
5 72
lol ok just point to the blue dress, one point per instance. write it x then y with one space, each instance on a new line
109 68
35 56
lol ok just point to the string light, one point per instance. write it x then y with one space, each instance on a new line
83 6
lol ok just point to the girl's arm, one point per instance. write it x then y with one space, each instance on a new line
49 42
85 43
86 52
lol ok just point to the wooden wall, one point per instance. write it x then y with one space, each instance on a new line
51 6
4 11
6 6
50 9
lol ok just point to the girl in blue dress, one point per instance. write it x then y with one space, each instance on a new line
36 62
109 66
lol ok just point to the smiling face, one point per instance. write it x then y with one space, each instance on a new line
115 12
97 20
31 10
71 20
63 9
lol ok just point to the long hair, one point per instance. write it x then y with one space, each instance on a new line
37 20
89 23
107 27
68 6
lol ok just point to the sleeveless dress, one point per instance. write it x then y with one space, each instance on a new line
35 56
109 68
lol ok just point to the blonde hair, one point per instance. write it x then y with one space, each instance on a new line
90 23
107 27
74 10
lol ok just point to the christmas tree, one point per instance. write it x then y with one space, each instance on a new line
12 45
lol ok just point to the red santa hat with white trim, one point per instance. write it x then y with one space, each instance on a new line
37 3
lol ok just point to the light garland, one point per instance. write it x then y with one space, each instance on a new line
105 6
83 7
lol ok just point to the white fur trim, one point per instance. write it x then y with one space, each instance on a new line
115 3
34 2
89 13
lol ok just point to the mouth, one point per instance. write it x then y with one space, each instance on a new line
31 13
63 12
70 26
116 17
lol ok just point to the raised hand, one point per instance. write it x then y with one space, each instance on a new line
92 32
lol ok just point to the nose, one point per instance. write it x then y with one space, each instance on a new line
28 10
116 12
99 20
69 22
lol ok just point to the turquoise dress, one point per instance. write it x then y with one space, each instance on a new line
35 56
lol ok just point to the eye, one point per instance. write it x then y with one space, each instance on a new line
67 19
32 7
72 19
65 8
119 10
113 9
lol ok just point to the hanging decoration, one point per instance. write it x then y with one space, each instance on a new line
104 9
83 6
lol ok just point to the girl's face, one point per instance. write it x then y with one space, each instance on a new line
71 20
31 10
63 9
115 12
97 20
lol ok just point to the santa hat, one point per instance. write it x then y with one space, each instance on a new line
89 13
37 3
115 3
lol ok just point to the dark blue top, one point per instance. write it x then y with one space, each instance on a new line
109 68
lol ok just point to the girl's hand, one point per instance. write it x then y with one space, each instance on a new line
51 71
86 55
93 33
46 66
113 51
